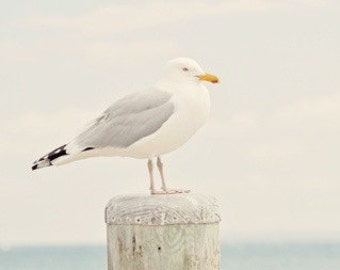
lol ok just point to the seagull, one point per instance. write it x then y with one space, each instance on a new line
146 124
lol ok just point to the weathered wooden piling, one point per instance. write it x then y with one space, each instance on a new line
163 232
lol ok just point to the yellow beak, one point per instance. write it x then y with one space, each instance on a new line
209 78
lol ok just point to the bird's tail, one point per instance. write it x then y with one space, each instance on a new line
50 158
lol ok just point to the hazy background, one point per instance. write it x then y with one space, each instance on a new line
270 152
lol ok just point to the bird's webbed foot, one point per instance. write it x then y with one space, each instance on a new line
169 191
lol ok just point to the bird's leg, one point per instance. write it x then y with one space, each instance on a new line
152 184
165 190
160 168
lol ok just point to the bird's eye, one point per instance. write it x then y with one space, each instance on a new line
185 69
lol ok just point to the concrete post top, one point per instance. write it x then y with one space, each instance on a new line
187 208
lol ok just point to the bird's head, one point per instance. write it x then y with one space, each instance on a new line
186 70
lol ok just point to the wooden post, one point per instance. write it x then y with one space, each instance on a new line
163 232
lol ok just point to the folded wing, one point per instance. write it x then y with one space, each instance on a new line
127 121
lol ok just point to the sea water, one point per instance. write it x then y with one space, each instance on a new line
233 257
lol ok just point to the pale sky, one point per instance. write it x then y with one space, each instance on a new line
269 154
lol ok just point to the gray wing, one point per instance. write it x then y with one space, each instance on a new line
128 120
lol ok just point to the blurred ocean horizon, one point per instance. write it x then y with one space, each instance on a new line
254 256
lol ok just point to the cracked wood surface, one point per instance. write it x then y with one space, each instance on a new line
157 232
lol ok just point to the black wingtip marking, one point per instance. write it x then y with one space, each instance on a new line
87 149
46 160
60 151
